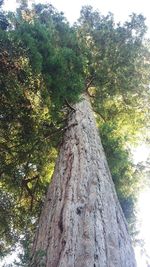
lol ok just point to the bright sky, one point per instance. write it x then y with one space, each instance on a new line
121 11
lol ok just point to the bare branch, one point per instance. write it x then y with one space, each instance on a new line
88 86
71 107
102 117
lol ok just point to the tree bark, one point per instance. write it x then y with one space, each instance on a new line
82 223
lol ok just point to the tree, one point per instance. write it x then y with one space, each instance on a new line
47 66
82 223
76 210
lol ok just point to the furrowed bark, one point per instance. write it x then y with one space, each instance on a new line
82 223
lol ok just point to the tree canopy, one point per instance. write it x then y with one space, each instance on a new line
45 67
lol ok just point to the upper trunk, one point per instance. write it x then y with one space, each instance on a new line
82 224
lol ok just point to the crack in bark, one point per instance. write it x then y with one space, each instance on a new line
69 162
119 243
103 221
96 243
104 234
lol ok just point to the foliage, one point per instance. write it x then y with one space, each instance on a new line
45 66
34 75
121 167
23 146
118 61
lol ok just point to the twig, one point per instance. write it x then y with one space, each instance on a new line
67 103
31 179
88 85
102 117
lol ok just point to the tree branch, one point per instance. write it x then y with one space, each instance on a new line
31 179
88 85
102 117
67 103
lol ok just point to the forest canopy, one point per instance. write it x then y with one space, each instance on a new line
45 67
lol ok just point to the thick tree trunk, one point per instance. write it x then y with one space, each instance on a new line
82 224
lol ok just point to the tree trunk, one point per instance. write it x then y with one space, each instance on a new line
82 223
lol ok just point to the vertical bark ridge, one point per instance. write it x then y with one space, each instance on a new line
82 224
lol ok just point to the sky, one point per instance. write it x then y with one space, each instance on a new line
121 11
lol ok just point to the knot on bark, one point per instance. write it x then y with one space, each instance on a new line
79 210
